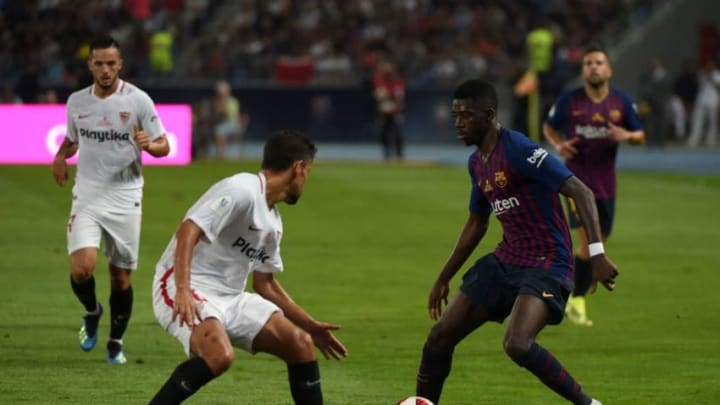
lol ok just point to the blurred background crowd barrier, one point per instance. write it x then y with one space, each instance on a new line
313 64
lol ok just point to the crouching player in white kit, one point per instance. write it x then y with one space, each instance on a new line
104 121
199 296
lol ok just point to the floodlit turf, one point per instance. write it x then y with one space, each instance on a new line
362 249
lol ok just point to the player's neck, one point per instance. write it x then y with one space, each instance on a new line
488 144
101 92
597 94
275 187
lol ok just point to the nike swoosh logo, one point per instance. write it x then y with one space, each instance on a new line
547 295
83 116
184 384
312 383
254 228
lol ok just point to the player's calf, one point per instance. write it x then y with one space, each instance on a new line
304 381
187 379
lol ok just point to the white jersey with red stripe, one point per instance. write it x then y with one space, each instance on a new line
240 235
104 128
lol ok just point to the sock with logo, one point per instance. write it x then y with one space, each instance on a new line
305 383
85 292
548 369
187 378
434 369
121 303
583 276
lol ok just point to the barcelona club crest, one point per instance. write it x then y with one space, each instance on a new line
500 179
615 115
124 117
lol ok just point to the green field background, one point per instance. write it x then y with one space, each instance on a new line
362 249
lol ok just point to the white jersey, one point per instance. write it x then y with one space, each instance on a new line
103 127
241 235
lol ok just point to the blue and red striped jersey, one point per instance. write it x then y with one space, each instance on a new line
520 181
576 115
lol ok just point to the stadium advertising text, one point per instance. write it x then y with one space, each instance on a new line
32 134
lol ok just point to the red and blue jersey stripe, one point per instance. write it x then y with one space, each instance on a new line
575 115
519 181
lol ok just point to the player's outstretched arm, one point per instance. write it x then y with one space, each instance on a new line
604 270
471 234
269 288
59 166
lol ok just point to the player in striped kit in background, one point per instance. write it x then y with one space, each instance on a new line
586 126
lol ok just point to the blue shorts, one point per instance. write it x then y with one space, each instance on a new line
494 285
606 214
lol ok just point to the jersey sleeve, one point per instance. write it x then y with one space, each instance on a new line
558 114
148 117
215 214
478 203
273 264
632 120
535 162
71 130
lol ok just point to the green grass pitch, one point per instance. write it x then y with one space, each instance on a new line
362 249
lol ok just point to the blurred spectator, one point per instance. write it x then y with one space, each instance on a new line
389 91
9 96
654 96
49 96
707 106
332 67
685 88
228 122
161 50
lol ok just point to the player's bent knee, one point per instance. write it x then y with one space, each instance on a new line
82 264
220 362
81 273
209 342
303 348
120 279
517 347
218 357
439 338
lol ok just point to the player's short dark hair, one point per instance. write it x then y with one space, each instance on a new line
592 48
477 90
104 42
285 147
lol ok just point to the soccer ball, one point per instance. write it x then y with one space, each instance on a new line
415 401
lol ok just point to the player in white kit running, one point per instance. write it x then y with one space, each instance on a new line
111 122
199 296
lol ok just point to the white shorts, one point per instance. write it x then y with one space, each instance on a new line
243 315
113 215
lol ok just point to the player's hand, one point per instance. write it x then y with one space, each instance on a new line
567 148
60 171
329 345
186 308
617 133
604 271
141 138
438 298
